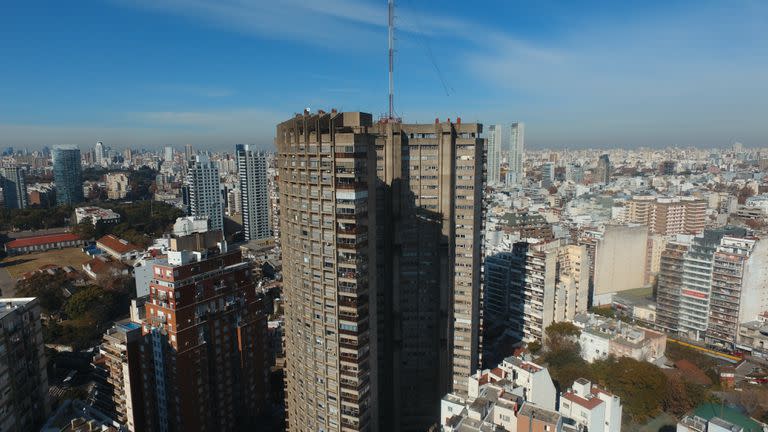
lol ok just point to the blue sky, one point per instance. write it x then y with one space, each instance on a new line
218 72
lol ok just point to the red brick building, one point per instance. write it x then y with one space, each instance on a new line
205 328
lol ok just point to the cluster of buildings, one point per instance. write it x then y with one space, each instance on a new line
414 259
519 395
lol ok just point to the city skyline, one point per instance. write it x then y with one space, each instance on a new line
593 75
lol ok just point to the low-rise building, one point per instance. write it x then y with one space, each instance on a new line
712 417
591 408
101 267
602 337
532 418
96 215
42 243
495 396
118 248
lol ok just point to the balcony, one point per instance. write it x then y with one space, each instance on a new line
351 184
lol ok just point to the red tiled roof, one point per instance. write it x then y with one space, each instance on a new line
41 240
120 246
586 403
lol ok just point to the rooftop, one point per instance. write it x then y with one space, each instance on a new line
10 304
588 403
117 244
709 411
41 240
541 414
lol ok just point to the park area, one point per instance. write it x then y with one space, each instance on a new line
20 264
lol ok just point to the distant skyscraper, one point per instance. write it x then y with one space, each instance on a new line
98 154
252 172
547 174
205 192
14 188
516 153
127 155
24 405
67 174
168 154
603 170
494 153
188 152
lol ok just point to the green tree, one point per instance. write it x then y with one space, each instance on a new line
562 335
534 347
48 288
93 304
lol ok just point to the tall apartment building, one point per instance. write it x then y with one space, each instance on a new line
669 281
614 246
121 391
516 153
203 358
739 289
117 185
711 284
14 187
168 154
668 215
67 174
535 285
188 152
204 191
429 248
326 167
602 173
382 282
495 143
254 196
99 154
24 387
547 174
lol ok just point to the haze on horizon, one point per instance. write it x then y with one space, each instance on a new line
212 73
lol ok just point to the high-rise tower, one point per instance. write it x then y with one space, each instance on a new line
67 174
24 405
603 170
252 173
14 187
428 244
381 228
204 191
494 153
204 359
326 166
516 153
98 154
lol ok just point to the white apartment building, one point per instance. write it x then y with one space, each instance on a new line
602 337
204 191
495 395
591 407
252 172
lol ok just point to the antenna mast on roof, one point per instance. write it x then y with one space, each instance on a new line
391 43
